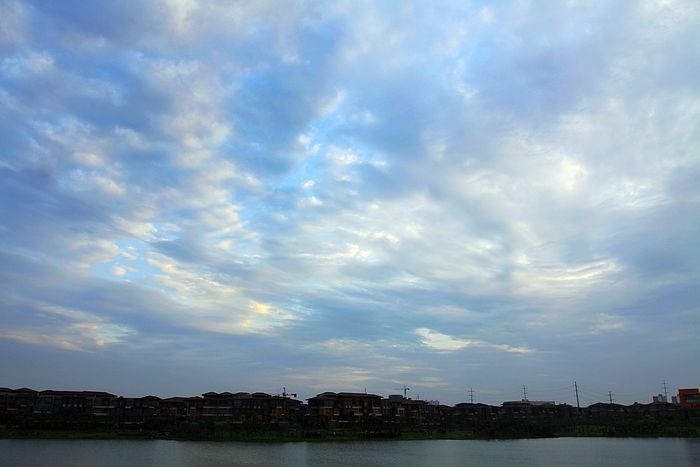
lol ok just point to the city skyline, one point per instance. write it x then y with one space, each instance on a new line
222 195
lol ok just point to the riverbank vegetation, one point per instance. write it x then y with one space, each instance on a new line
220 431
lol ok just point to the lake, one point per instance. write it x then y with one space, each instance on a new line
536 452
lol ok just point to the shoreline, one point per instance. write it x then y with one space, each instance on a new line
327 437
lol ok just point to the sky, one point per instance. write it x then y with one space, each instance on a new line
346 196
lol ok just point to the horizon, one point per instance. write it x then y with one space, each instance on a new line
260 195
669 397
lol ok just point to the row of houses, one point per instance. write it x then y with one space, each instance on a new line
340 408
525 409
324 410
241 407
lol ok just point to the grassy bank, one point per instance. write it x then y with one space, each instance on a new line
9 433
216 432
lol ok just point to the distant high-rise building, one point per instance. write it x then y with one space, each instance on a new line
659 398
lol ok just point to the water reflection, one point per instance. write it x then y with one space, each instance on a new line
540 452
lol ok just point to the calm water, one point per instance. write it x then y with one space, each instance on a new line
539 452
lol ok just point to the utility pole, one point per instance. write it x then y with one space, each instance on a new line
665 392
578 405
524 393
610 397
471 395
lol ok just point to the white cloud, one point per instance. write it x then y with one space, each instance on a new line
544 280
607 322
88 252
311 201
31 64
486 15
13 28
81 331
444 342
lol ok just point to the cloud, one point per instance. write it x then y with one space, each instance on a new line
444 342
607 322
319 182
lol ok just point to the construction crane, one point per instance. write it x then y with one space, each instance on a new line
405 389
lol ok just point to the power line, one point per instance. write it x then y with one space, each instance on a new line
593 393
559 389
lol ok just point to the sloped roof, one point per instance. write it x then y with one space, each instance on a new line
358 394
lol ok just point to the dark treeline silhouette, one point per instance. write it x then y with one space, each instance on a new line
25 413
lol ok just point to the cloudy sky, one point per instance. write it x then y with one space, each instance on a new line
214 195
